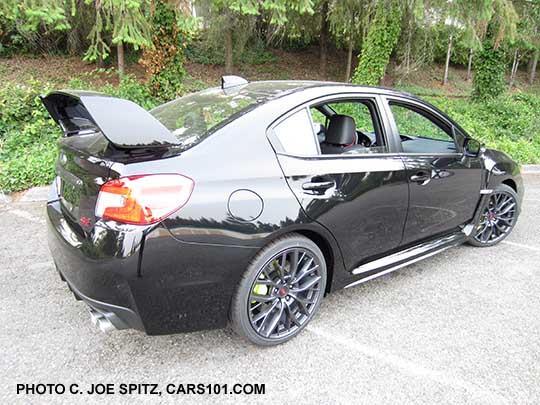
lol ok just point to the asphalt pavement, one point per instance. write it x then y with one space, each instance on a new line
460 327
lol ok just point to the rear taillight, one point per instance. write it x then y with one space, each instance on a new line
143 199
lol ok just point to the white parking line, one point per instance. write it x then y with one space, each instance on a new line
407 366
521 245
532 199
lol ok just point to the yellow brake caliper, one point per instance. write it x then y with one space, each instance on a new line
260 289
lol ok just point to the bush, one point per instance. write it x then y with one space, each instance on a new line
257 55
202 52
207 53
510 124
28 135
489 69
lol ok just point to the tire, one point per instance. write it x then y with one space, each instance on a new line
275 300
499 216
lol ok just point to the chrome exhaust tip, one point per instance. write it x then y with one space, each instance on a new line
102 322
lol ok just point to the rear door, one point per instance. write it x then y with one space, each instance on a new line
444 184
360 197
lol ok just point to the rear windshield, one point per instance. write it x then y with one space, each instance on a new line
193 117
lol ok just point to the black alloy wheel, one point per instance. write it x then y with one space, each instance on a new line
281 291
498 217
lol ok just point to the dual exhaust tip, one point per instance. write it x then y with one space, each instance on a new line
102 321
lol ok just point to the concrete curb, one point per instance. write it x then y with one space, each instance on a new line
530 169
4 198
35 194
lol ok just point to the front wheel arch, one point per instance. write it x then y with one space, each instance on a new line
510 183
491 207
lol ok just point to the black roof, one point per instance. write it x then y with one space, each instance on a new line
272 89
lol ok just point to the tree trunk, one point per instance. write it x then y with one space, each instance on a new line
447 64
228 50
469 65
349 60
323 40
532 71
100 60
408 46
72 42
120 57
513 71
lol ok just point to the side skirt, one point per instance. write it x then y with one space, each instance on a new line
396 261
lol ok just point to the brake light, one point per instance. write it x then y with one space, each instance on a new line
143 199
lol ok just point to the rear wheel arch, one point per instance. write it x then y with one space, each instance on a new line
244 318
330 251
327 251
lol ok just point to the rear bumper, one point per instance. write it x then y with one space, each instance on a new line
96 269
119 317
144 278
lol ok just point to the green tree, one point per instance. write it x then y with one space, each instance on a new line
381 39
349 20
500 20
163 60
225 16
413 13
463 20
35 20
124 21
527 41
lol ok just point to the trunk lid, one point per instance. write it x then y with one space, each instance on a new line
99 130
80 173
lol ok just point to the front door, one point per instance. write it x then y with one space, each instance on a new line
444 184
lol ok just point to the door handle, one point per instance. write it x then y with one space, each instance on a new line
318 185
422 178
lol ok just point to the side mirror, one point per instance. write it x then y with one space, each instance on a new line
472 147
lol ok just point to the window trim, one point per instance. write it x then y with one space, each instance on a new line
419 105
274 138
382 115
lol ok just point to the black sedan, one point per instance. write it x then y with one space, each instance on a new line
249 202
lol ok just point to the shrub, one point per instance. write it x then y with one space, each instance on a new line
257 55
510 124
206 52
164 62
381 39
489 81
27 137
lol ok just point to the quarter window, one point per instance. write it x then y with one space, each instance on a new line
421 132
296 136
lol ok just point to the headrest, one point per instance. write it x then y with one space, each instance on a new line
341 130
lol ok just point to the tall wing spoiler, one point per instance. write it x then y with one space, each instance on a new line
122 122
